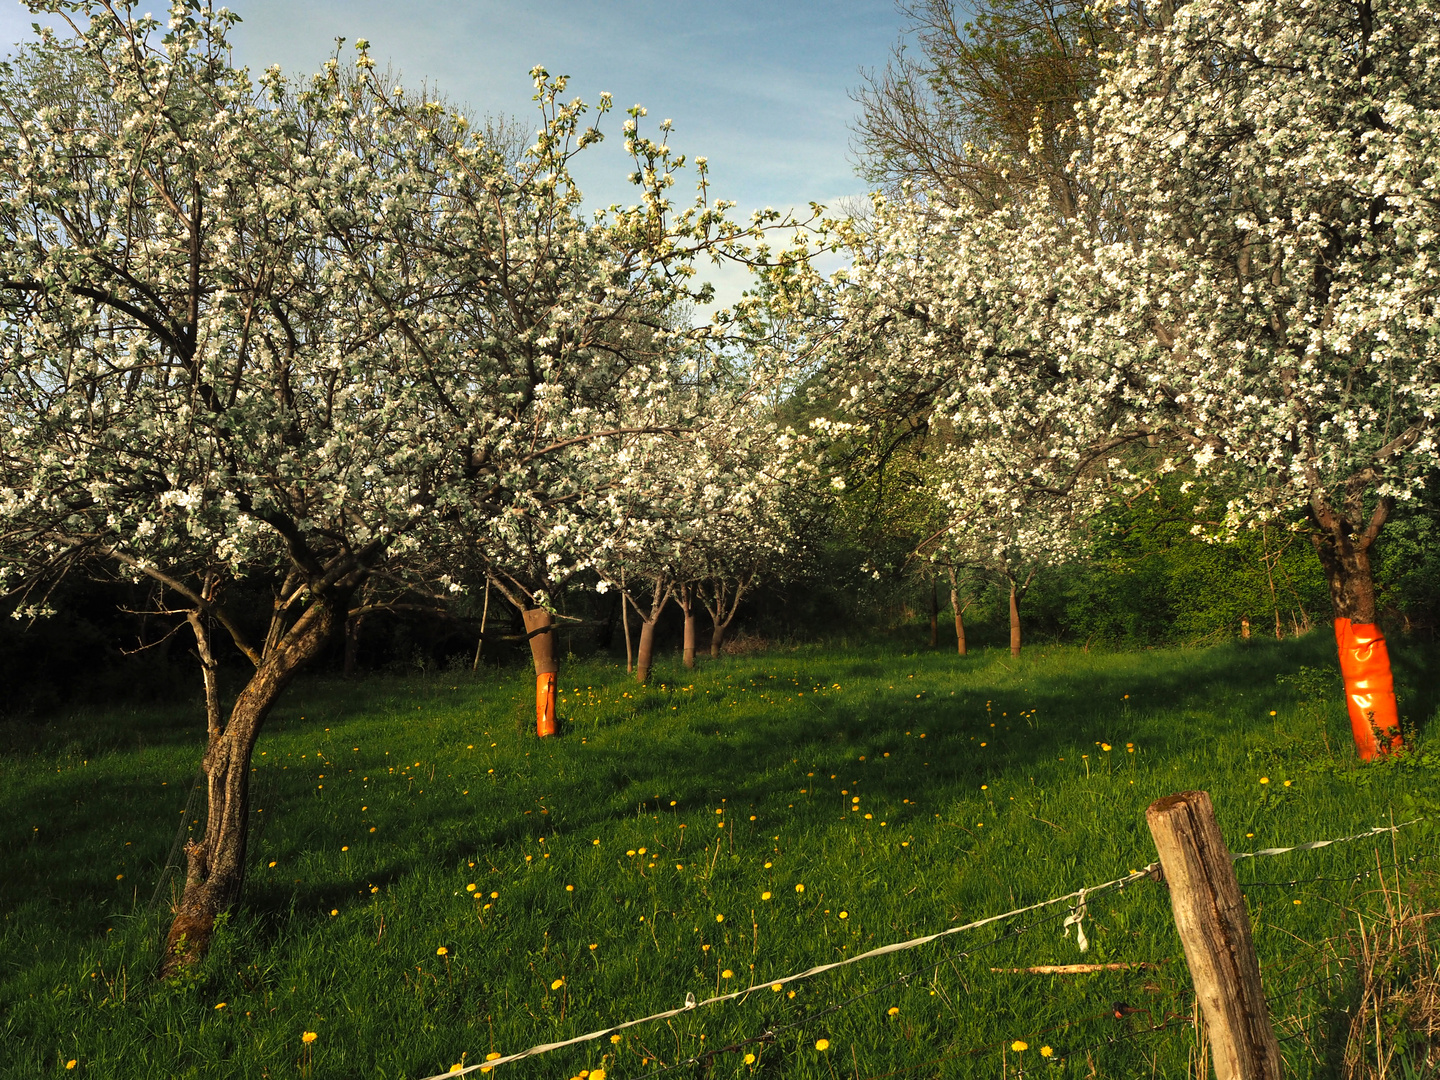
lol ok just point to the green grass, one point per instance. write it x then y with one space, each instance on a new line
982 786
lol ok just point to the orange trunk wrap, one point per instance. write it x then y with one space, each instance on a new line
545 694
1369 688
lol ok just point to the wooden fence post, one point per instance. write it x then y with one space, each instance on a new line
1215 930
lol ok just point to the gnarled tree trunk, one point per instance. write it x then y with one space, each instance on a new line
1364 656
540 630
645 654
215 863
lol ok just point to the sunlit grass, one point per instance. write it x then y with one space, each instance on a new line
429 883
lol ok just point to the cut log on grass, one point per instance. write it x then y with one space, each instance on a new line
1214 928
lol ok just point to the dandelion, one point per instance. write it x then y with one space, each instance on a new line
765 895
594 947
1019 1046
272 865
749 1059
569 888
1105 746
777 987
597 1074
894 1010
71 1063
614 1038
719 918
595 842
557 984
494 896
308 1037
799 888
1264 779
442 951
844 914
727 974
221 1005
1045 1051
471 887
334 911
1287 783
822 1044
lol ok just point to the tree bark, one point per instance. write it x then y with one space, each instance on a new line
540 630
353 625
934 615
959 614
646 652
625 621
686 600
215 864
1014 621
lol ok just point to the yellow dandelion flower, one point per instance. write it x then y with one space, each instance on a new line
1019 1046
777 987
334 911
719 918
221 1005
569 888
1264 779
594 947
471 887
308 1037
442 951
894 1010
765 895
71 1063
597 1074
557 984
799 888
1105 746
1045 1051
749 1059
727 974
822 1044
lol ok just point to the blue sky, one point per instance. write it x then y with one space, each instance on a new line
760 88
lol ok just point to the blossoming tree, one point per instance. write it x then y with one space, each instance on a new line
1246 291
320 338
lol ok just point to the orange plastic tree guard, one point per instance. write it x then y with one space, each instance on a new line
1369 688
538 623
545 698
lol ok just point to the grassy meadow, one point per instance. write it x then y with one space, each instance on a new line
430 884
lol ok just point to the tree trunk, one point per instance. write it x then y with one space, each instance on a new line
934 616
717 638
686 601
625 620
1014 621
215 864
959 622
484 618
1364 657
646 651
539 629
353 626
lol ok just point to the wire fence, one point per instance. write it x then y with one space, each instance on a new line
1073 914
